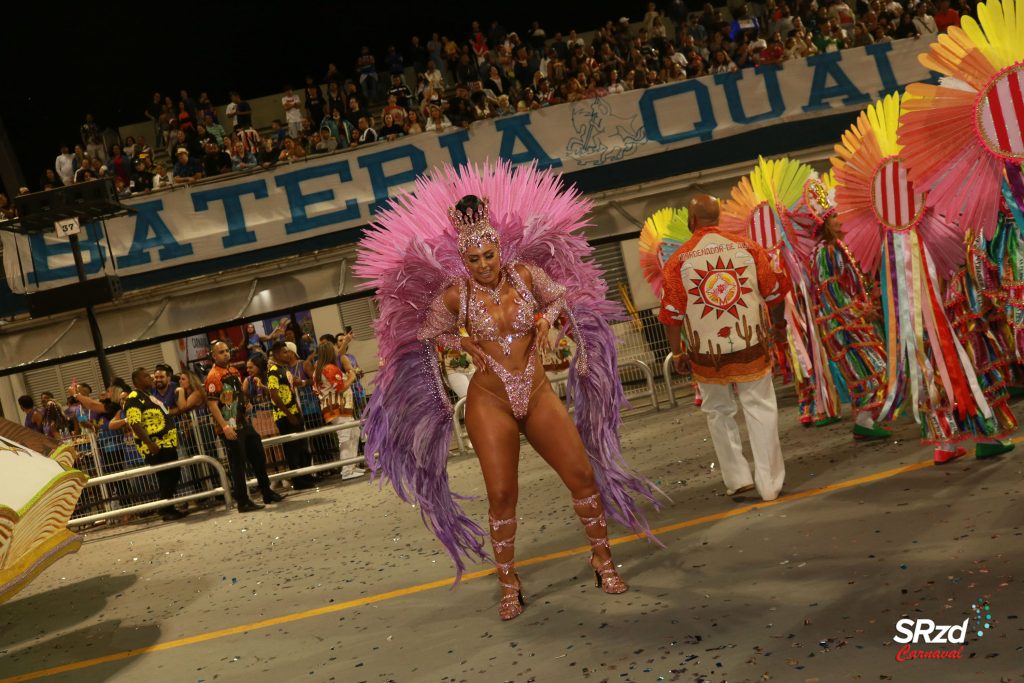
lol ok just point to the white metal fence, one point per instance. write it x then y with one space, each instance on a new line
105 452
122 486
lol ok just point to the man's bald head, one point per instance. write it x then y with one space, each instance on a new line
704 210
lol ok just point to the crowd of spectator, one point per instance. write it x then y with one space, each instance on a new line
278 380
490 72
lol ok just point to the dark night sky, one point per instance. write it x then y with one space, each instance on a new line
64 59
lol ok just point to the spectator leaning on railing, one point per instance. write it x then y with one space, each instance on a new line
186 169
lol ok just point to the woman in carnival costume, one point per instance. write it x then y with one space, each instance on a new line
844 314
485 260
759 203
892 229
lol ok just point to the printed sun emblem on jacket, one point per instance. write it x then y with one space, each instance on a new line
720 288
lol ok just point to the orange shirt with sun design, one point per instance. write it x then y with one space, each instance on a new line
719 283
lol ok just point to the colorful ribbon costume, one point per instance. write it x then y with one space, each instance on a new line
844 313
890 225
759 205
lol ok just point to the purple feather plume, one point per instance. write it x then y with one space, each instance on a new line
598 397
408 434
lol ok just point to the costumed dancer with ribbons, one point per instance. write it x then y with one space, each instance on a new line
970 299
1005 252
892 230
963 136
486 259
845 317
663 233
758 203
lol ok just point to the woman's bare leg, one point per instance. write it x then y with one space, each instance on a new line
494 434
551 431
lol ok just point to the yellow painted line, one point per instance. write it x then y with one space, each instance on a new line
469 576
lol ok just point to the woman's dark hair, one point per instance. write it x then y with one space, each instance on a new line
469 203
260 361
52 414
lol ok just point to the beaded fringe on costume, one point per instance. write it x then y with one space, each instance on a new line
816 387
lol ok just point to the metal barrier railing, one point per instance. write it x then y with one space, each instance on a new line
666 373
199 444
223 490
652 391
272 441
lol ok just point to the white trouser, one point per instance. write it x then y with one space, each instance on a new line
762 416
348 439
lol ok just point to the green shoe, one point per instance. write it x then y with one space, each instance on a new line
826 421
991 450
862 433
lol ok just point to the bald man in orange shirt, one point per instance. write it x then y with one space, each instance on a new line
723 298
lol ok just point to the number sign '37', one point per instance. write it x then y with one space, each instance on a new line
66 227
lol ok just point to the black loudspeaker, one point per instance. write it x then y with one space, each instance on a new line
89 201
94 291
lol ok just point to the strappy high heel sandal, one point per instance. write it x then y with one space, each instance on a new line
512 601
605 575
606 578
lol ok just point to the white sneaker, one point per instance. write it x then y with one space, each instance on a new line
351 472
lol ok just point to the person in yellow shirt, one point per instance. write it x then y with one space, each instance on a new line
155 437
287 415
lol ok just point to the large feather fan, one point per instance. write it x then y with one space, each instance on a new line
663 233
874 192
961 135
761 197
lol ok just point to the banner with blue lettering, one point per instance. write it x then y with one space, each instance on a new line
228 221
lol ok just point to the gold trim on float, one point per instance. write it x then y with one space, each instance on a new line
32 563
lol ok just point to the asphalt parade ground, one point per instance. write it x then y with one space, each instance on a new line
344 583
